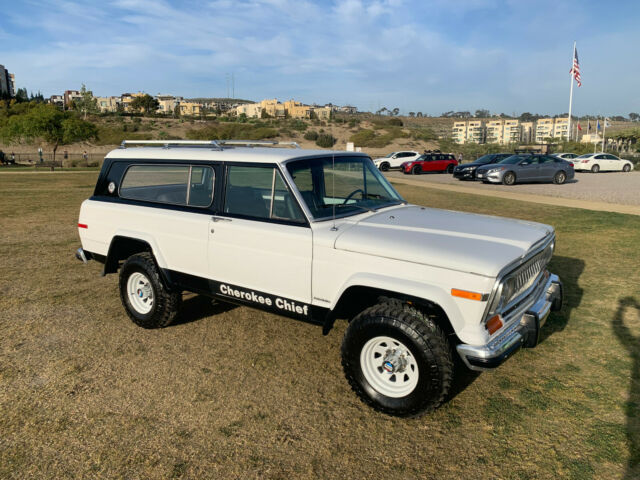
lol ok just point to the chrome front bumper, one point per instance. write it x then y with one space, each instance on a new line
517 334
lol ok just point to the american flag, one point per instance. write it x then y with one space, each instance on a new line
575 70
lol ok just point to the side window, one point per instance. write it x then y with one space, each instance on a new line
599 157
259 192
611 157
546 159
174 184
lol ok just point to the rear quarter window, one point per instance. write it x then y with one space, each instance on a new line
189 185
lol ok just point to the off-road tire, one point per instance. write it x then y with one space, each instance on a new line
416 170
595 169
450 169
384 166
166 302
509 178
426 343
559 178
626 168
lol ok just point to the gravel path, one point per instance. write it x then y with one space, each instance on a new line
612 191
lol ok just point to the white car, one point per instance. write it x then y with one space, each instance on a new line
395 159
596 162
320 236
566 156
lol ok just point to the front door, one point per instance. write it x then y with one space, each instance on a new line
261 241
528 169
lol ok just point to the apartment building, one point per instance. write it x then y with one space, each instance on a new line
527 132
561 128
495 131
167 104
544 129
475 132
107 104
127 98
511 131
459 133
322 113
297 109
7 82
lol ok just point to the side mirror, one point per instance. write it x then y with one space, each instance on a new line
525 163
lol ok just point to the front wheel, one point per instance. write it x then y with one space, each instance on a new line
415 169
397 360
449 168
626 168
559 178
509 178
146 300
384 166
595 169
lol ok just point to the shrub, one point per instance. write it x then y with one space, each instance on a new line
311 135
326 140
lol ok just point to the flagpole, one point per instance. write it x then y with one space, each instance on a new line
571 90
604 132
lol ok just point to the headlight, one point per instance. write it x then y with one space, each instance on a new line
495 170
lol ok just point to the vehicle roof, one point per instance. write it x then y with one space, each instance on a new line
225 154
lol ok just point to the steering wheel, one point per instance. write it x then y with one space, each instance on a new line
352 194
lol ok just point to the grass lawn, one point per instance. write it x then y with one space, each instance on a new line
237 393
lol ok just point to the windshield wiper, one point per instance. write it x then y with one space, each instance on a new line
342 205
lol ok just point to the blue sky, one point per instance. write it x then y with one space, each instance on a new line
430 56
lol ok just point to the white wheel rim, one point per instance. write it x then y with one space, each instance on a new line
389 367
140 293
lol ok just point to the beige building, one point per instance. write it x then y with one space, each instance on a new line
107 104
322 113
296 109
527 132
495 131
475 132
167 104
190 108
544 129
591 138
459 134
127 98
561 128
511 132
251 110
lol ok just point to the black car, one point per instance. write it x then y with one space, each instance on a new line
467 171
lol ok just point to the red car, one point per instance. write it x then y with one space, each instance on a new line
430 162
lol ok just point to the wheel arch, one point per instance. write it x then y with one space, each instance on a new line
358 296
123 246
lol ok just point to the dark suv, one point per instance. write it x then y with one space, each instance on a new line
467 171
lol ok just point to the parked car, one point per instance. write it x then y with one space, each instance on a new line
467 171
317 236
527 168
606 162
395 159
430 162
566 156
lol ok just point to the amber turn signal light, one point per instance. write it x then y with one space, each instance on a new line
494 324
465 294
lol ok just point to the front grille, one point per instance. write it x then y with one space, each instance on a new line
523 277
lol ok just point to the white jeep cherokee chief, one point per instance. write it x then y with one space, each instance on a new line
319 235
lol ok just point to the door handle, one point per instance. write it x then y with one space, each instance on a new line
220 219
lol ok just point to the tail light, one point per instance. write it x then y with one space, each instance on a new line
571 164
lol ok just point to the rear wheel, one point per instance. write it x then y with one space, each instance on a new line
146 300
415 169
384 166
595 169
397 360
509 178
559 178
626 168
450 168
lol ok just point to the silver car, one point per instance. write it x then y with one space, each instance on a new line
527 168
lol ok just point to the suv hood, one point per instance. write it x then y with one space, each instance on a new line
466 242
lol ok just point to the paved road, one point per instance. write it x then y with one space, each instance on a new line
609 187
613 188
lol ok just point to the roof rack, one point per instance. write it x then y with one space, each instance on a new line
206 143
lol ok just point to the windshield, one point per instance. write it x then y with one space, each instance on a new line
483 160
346 185
513 159
390 155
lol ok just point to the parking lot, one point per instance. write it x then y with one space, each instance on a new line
605 187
